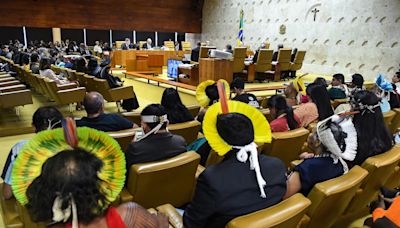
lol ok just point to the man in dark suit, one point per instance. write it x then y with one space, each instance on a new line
127 45
195 53
157 144
147 45
232 188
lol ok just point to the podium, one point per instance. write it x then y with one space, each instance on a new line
214 69
146 62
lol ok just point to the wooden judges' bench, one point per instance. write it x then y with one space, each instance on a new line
120 57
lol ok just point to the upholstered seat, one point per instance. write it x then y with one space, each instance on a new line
15 99
170 45
133 117
298 61
287 213
186 46
330 198
9 211
287 145
239 54
89 82
335 103
188 130
123 137
194 110
388 117
379 168
264 60
395 123
168 181
65 96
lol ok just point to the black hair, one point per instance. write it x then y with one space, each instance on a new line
320 97
45 63
79 65
397 74
212 93
25 58
357 80
237 83
321 81
69 174
339 77
176 111
279 103
93 102
45 117
372 134
229 47
154 110
236 129
34 57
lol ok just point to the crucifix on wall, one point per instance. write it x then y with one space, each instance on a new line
315 11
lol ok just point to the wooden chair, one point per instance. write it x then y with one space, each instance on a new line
168 181
388 117
395 123
287 145
298 61
124 137
239 54
380 168
287 213
330 198
188 130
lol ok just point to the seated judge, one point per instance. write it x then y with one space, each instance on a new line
97 119
147 45
244 182
157 143
127 45
195 53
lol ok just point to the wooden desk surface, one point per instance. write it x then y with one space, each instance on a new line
119 57
264 88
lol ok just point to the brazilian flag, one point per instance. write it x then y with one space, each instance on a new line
240 35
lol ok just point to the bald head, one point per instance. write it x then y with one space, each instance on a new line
93 103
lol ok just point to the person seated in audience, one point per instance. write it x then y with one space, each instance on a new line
295 92
84 50
228 48
113 81
244 181
106 47
25 60
97 48
373 136
356 84
339 89
385 210
383 89
275 54
147 45
127 45
47 72
195 53
334 143
34 65
74 186
237 87
318 108
321 81
93 67
157 143
283 115
176 111
44 118
97 119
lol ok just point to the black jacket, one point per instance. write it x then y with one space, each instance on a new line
230 189
195 54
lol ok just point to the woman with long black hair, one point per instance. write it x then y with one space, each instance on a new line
176 111
284 118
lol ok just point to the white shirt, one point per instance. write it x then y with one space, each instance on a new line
97 49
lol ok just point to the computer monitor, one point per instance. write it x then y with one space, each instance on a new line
172 71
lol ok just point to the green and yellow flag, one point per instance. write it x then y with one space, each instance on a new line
240 35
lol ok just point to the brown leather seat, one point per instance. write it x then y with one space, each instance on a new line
9 211
213 158
26 218
7 79
287 145
388 117
239 54
15 99
194 110
379 167
395 124
123 137
133 117
12 88
65 96
168 181
113 94
9 83
264 60
394 179
267 114
188 130
338 102
89 82
287 213
330 198
298 61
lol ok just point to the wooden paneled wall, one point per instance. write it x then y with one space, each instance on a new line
142 15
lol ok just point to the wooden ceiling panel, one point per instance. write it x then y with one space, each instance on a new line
142 15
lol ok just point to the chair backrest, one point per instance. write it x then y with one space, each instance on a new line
15 98
266 112
188 130
9 211
52 88
264 60
330 198
133 117
194 110
89 82
56 69
141 43
102 86
284 56
298 60
287 213
395 124
43 85
118 43
239 54
80 78
287 145
213 158
168 181
123 137
379 167
169 44
388 117
338 102
204 51
186 46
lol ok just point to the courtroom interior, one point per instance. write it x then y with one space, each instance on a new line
200 113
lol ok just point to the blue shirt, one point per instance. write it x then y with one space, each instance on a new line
105 122
6 175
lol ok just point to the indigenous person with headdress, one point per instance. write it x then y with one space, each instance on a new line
334 144
68 178
383 89
372 134
338 90
44 118
295 92
318 108
283 115
206 95
157 143
244 181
